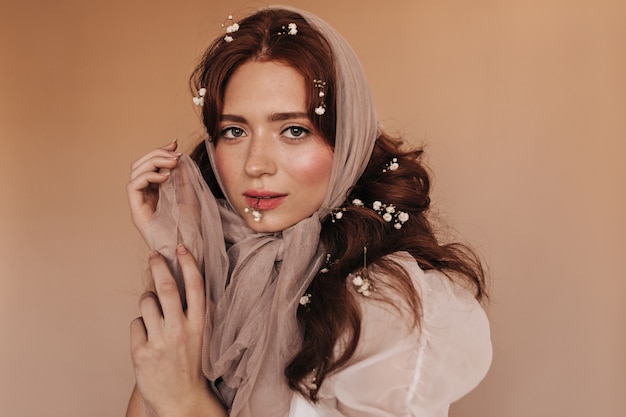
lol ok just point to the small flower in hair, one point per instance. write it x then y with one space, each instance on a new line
327 265
357 203
311 384
401 218
291 29
337 213
361 282
232 28
389 214
392 166
320 85
360 278
305 299
199 99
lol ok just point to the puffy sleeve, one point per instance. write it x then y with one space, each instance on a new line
402 371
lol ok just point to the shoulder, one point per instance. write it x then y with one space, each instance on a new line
450 314
400 369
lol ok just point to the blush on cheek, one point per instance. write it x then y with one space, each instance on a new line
313 167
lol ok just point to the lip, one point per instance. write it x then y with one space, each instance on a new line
263 200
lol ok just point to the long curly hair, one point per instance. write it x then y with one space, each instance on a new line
335 316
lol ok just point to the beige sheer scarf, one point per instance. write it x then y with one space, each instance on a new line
254 281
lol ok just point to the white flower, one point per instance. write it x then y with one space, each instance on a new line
320 110
397 226
391 209
377 205
232 28
293 28
198 101
361 282
228 38
403 217
357 202
392 166
338 215
202 92
305 299
387 217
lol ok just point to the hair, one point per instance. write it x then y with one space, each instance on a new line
334 318
258 39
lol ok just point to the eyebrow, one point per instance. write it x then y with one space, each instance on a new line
274 117
277 117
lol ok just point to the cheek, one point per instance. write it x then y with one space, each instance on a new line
313 169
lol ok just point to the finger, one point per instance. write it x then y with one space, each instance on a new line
194 285
137 186
150 309
138 333
171 146
166 288
155 163
163 150
141 199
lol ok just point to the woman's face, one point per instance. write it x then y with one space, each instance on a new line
269 156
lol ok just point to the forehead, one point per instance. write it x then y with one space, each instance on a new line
258 82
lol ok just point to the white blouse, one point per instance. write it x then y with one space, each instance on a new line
402 371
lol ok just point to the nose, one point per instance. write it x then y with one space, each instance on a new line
260 160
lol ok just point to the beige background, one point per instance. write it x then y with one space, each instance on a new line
523 109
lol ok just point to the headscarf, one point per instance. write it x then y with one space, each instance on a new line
254 281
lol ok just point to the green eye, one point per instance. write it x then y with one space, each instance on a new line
233 132
295 132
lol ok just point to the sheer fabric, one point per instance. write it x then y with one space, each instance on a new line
254 281
400 371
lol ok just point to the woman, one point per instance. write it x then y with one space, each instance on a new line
327 292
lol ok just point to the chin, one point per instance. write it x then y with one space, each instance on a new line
268 225
264 226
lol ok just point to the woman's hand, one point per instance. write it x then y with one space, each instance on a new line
143 187
166 343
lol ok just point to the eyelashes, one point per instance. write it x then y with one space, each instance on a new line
232 132
295 132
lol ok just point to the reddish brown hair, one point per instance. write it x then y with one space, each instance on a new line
335 314
258 39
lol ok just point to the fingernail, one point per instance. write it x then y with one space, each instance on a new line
181 250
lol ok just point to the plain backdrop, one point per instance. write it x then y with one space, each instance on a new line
521 106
